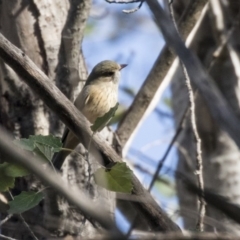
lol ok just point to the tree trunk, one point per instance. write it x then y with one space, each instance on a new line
45 31
221 167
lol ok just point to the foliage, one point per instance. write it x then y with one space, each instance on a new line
42 146
8 173
117 178
24 201
101 122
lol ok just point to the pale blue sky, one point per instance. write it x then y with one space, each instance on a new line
134 39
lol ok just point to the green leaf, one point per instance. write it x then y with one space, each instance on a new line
43 146
53 143
15 170
101 122
25 144
24 201
44 151
8 172
46 146
117 179
6 182
118 114
165 186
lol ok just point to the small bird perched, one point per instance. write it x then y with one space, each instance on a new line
98 96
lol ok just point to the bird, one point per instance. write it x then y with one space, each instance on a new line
98 96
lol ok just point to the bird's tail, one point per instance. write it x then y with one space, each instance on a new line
70 141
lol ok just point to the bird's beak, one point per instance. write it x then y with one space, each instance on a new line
122 66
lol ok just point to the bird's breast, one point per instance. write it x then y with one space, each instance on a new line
100 98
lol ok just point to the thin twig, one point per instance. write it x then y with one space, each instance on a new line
5 219
219 202
226 35
134 9
24 221
161 162
28 227
156 81
8 238
218 106
77 123
76 197
126 2
88 161
123 1
199 161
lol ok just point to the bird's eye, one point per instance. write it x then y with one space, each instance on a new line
109 74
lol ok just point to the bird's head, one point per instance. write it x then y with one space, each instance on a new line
105 71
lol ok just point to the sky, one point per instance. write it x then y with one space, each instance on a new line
135 40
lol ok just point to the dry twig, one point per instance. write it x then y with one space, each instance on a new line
78 124
199 161
155 83
77 198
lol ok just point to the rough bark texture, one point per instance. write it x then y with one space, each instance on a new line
36 26
220 154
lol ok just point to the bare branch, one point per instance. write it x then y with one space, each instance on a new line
74 196
154 84
217 201
174 139
225 33
5 237
218 106
134 9
78 124
199 168
68 75
184 236
5 219
126 2
123 1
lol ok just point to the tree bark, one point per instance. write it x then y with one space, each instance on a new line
45 31
220 154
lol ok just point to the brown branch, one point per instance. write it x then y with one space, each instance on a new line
78 124
218 106
225 27
154 80
74 196
184 236
217 201
71 68
68 74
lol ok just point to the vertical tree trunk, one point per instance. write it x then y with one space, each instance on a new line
221 164
39 28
